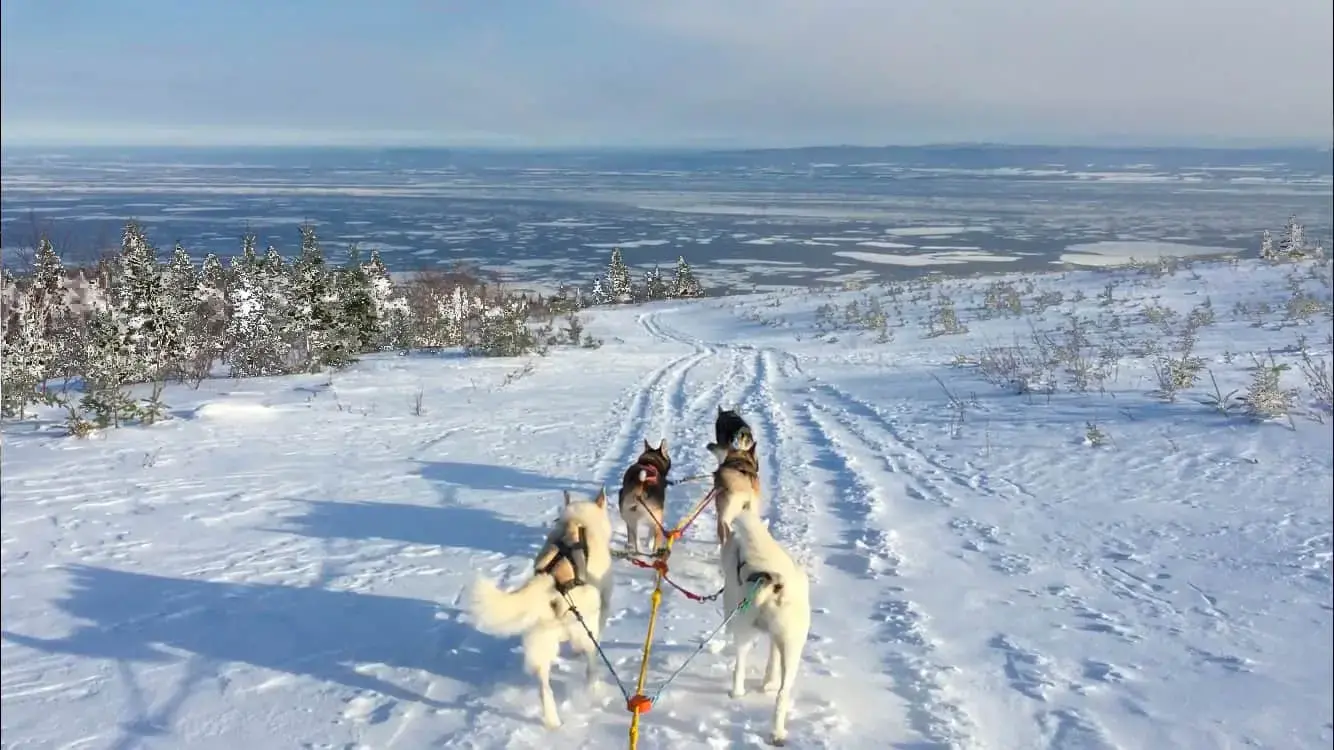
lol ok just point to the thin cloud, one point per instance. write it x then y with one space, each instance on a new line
628 72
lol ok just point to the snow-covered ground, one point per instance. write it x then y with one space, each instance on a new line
281 564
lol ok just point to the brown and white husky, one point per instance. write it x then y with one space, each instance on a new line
643 497
736 484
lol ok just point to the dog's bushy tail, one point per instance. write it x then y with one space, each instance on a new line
504 613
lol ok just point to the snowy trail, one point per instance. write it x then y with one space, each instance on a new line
797 473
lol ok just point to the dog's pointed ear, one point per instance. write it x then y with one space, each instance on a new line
662 445
567 496
720 408
647 447
751 449
602 497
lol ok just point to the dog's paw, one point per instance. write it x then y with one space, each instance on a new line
551 722
778 741
771 687
737 693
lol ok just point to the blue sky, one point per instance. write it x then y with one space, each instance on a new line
551 73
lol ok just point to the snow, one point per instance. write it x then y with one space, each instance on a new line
982 577
1121 252
233 411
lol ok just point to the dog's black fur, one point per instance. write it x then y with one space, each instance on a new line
726 428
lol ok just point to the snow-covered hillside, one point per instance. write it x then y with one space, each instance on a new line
997 563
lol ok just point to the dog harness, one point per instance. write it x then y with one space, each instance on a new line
753 577
745 467
577 555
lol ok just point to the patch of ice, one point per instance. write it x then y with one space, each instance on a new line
625 244
1120 253
925 259
927 231
882 244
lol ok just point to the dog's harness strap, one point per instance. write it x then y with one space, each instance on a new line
639 703
577 555
744 467
578 616
758 578
658 563
741 606
694 478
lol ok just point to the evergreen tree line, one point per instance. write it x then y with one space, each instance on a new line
259 314
616 286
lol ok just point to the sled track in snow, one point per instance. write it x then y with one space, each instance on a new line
635 414
750 375
858 502
795 433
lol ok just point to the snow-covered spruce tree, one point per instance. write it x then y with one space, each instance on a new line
619 286
600 294
1294 239
1267 246
655 286
391 307
59 325
314 326
110 360
144 304
28 354
684 283
182 281
359 326
48 273
258 327
214 281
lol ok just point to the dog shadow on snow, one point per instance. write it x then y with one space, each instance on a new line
492 478
454 526
130 617
449 523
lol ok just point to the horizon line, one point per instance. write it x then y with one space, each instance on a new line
1232 144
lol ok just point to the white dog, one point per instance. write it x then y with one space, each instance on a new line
780 608
573 567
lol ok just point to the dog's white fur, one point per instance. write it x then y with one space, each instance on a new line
541 615
780 609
